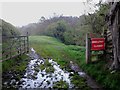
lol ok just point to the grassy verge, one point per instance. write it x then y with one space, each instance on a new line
13 69
16 64
49 47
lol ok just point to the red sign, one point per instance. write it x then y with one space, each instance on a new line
97 44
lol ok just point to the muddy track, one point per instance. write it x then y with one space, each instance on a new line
35 77
89 80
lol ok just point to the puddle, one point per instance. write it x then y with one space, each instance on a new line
40 78
76 68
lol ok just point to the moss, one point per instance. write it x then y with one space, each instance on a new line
63 63
36 69
79 82
42 66
46 63
49 68
61 84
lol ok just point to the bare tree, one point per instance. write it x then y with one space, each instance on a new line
113 19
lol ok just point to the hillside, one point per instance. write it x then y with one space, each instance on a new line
8 29
40 27
70 30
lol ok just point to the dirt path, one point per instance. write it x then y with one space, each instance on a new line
36 77
90 82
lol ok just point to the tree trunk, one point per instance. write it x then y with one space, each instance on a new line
116 41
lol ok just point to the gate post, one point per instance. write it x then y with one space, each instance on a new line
88 49
27 42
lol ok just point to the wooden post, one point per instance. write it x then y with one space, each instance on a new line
10 50
20 45
27 43
24 45
88 49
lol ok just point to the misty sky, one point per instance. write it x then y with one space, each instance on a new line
22 13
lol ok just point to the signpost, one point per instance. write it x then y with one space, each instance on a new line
93 44
97 44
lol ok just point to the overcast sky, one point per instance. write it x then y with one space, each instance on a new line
22 13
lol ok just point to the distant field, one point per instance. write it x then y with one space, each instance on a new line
49 47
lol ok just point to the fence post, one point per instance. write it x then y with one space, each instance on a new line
20 45
10 52
24 45
88 49
27 43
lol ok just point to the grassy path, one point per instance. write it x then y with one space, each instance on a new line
49 47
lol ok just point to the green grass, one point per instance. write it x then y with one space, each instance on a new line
48 66
61 84
79 82
17 64
49 47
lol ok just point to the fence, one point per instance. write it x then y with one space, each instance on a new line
14 46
